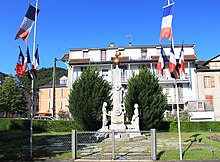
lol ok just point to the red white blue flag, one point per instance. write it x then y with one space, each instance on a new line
172 63
166 27
27 60
27 23
162 61
181 61
20 63
36 60
35 64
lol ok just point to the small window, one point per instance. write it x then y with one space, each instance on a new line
61 92
49 92
85 53
103 55
61 104
209 82
200 105
167 91
104 72
49 104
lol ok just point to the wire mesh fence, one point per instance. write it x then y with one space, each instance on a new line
93 145
51 145
114 145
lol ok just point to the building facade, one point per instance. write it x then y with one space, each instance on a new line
131 60
47 99
208 84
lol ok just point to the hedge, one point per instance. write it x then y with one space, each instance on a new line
7 124
203 126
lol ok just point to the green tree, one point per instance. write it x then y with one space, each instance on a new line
12 98
86 99
145 90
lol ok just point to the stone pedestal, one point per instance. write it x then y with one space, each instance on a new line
118 111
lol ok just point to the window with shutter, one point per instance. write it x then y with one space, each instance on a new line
210 98
207 82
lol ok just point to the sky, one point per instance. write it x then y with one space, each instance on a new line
65 24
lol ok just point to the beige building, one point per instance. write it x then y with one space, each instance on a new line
208 84
46 100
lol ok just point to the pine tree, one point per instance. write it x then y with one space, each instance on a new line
12 98
145 90
86 99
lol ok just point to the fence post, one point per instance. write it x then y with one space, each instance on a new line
74 144
113 145
153 144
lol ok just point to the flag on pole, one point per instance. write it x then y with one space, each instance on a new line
36 60
162 61
172 63
166 27
27 60
35 64
180 65
27 23
20 63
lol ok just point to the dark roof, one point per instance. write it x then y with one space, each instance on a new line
200 65
210 60
65 57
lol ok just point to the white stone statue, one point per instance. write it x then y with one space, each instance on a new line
135 118
104 115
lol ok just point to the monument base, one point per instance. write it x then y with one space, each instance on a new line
119 130
132 131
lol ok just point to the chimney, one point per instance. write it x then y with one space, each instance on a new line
111 44
129 44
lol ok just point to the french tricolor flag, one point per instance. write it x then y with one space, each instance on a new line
20 63
27 23
172 63
27 60
35 64
181 61
166 27
162 61
36 59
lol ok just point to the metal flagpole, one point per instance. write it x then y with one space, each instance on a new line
178 118
32 85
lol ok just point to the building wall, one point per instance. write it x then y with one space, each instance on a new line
213 91
46 100
146 55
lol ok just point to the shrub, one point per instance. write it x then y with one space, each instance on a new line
7 124
188 126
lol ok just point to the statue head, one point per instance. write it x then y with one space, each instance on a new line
104 104
135 106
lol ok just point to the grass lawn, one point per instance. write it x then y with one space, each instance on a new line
195 145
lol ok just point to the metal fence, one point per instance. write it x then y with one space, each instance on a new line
51 145
114 145
108 145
